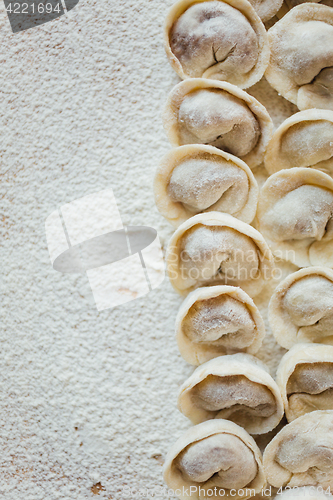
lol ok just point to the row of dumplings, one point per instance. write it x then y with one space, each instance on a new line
206 189
226 40
215 248
223 319
218 458
232 396
238 387
214 322
220 133
220 320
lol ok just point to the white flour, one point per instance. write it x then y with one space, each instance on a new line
88 399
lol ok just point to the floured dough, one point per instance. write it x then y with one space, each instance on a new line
304 139
266 9
301 308
295 216
236 387
301 454
305 379
217 453
218 320
218 39
290 4
215 249
301 62
195 178
201 111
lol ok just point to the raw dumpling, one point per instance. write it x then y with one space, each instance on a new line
266 9
217 249
193 179
301 308
295 216
217 453
303 493
301 454
219 39
200 111
218 320
301 63
305 139
236 387
290 4
305 379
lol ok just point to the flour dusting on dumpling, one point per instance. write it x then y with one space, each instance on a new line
201 111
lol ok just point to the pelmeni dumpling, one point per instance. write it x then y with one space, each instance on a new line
195 178
290 4
301 308
218 39
301 62
305 379
301 454
218 320
295 216
200 111
216 249
266 9
303 493
304 139
236 387
217 453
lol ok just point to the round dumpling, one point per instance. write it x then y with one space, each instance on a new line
305 139
266 9
193 179
218 320
290 4
295 216
301 308
305 379
301 454
301 62
236 387
200 111
217 249
218 39
215 454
